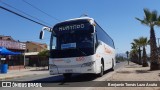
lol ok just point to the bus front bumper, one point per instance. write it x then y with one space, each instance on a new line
84 68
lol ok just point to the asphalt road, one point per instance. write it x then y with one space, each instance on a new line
77 82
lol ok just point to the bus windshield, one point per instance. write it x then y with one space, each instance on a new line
72 45
68 41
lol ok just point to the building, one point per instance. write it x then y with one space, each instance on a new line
17 61
11 44
29 50
35 46
31 55
6 38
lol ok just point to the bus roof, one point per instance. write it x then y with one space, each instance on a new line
83 23
81 18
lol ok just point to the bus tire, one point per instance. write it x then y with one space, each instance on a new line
102 71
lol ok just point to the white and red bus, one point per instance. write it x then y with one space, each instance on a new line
80 45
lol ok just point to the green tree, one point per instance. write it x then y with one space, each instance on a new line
144 42
134 53
42 56
152 19
44 53
139 45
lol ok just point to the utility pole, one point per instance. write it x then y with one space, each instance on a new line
24 60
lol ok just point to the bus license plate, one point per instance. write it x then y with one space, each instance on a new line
68 70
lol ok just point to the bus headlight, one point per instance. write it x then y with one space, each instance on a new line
52 66
87 64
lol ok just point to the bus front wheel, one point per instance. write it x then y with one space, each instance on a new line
102 71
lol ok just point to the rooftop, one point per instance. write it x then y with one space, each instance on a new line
43 45
2 37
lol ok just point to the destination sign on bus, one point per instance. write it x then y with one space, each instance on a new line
71 27
68 45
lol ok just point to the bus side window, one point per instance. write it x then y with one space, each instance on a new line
54 43
96 40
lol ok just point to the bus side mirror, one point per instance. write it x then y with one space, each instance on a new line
41 35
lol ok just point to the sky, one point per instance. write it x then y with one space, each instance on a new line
116 17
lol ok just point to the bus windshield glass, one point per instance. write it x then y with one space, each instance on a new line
72 45
72 39
68 41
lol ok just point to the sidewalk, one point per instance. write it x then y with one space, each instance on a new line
23 72
133 72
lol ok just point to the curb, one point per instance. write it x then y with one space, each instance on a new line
18 76
11 77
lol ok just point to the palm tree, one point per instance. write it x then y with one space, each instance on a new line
144 43
151 19
133 53
139 44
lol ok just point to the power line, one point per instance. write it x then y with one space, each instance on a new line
40 10
23 16
24 13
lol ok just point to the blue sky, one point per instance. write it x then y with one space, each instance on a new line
116 17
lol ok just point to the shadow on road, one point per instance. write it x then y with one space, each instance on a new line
124 72
40 70
132 66
142 71
75 78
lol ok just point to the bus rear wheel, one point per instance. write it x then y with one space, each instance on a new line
112 69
